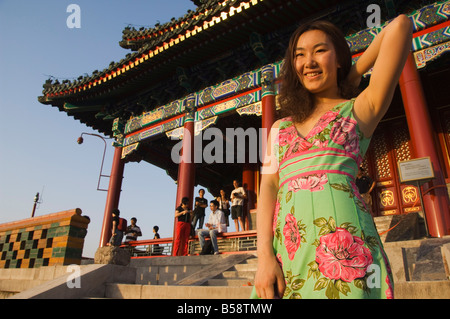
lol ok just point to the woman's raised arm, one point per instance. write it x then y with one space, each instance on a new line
387 55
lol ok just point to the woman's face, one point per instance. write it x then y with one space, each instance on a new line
315 62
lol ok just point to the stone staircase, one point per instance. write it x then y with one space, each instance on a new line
192 277
400 227
420 267
419 263
239 275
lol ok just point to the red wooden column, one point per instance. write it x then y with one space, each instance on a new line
436 201
267 120
248 182
267 101
186 167
112 199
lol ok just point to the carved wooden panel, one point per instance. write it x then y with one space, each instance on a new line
391 144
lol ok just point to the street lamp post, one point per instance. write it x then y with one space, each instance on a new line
80 141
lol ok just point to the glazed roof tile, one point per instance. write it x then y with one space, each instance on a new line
209 12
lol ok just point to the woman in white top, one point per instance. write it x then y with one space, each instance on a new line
224 205
237 200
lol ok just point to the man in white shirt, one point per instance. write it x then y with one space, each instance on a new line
237 200
216 224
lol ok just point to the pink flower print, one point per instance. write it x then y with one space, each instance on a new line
386 260
323 122
355 191
342 256
297 146
352 144
291 235
287 135
320 144
354 187
359 160
343 133
275 216
279 260
312 182
389 291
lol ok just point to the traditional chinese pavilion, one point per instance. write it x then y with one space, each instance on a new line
218 66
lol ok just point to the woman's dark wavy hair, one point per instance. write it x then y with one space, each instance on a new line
294 99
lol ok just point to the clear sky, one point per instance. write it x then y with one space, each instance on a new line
39 152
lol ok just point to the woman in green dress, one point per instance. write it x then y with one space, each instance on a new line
316 237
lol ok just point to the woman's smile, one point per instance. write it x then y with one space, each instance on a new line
312 75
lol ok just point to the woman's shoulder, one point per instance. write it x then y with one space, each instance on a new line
287 119
344 108
344 104
283 123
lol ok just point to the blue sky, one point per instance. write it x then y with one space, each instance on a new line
39 152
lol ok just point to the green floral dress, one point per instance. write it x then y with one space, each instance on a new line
325 239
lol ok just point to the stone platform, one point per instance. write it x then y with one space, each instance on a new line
420 270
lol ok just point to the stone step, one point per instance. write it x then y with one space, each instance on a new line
418 260
251 260
393 228
420 269
212 271
246 267
382 224
227 282
237 275
126 291
422 290
403 290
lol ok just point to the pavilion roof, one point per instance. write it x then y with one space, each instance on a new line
161 53
215 42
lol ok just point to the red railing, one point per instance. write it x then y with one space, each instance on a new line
231 242
150 247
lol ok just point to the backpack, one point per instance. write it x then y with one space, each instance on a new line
122 224
208 248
